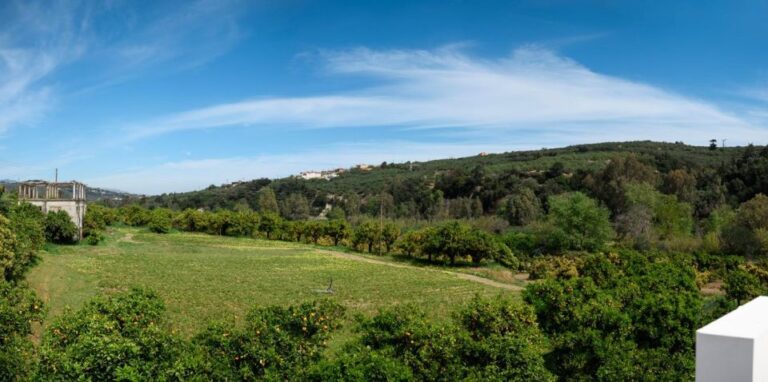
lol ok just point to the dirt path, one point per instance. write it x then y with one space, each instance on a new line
128 238
463 276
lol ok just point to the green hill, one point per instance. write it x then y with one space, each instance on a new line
488 177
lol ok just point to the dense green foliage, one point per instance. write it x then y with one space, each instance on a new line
634 247
59 228
657 195
26 222
110 338
490 340
160 221
624 317
125 337
452 187
21 237
19 308
583 224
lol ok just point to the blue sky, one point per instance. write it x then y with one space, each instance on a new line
154 97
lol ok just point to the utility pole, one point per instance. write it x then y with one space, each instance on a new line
723 144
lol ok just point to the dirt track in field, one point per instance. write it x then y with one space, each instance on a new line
463 276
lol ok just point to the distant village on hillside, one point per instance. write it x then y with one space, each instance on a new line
330 174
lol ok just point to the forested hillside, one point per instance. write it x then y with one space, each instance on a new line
486 184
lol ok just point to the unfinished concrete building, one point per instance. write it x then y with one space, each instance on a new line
55 196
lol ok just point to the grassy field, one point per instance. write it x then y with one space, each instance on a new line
203 278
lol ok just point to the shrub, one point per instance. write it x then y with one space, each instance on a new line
554 267
337 230
747 234
134 215
94 238
360 364
269 223
454 239
276 344
120 337
160 221
96 219
489 340
625 312
389 234
19 309
520 208
584 223
315 230
366 233
59 228
410 243
742 286
27 222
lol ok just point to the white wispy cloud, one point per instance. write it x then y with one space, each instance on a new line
35 41
190 35
533 88
38 38
757 93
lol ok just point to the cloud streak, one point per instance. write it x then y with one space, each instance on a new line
37 39
533 88
40 39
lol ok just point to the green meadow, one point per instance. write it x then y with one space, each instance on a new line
204 278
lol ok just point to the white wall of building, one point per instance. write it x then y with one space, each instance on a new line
74 208
734 348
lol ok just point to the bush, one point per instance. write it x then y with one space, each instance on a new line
315 230
134 215
455 239
337 230
360 364
489 340
120 337
747 234
96 219
742 286
521 242
585 225
555 267
410 243
27 222
625 312
60 229
94 238
366 233
276 344
19 309
520 208
160 221
269 224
